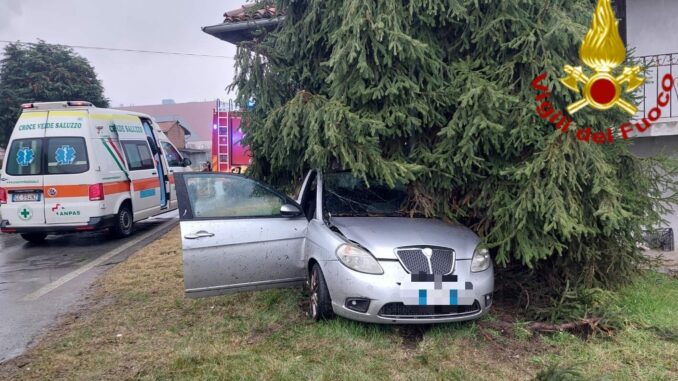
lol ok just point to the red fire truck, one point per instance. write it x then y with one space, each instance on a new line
228 152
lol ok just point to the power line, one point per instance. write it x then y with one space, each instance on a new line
124 50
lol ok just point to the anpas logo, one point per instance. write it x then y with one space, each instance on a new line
603 51
64 212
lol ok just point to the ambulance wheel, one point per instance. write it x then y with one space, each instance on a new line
124 222
34 237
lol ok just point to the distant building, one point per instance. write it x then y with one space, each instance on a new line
189 126
195 116
175 131
178 134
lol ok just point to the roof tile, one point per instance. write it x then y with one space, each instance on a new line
244 14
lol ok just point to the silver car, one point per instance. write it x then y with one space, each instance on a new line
360 255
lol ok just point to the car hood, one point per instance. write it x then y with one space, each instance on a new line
380 235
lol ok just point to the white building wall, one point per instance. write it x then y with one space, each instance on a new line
652 30
651 146
651 26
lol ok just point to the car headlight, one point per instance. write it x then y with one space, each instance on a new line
358 259
481 260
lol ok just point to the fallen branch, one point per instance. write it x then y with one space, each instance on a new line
572 326
583 325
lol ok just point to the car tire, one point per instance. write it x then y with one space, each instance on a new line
34 237
320 306
124 222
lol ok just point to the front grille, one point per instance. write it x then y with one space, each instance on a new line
401 311
442 261
415 261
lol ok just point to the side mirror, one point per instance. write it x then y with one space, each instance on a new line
186 162
290 210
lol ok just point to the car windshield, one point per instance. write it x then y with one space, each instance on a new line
347 196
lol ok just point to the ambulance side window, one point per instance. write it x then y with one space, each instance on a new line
173 157
138 155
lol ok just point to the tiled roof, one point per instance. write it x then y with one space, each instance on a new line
240 24
166 126
244 14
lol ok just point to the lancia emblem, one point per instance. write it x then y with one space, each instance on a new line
428 252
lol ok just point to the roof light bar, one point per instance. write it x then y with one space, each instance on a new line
80 104
27 105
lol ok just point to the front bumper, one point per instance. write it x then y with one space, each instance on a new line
386 289
94 223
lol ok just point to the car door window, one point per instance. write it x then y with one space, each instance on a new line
308 200
230 196
173 157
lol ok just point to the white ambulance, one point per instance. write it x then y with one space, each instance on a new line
72 167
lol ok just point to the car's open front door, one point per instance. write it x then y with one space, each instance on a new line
235 237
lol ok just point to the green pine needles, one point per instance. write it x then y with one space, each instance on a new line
42 72
436 94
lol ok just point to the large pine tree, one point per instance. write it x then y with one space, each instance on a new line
437 94
42 72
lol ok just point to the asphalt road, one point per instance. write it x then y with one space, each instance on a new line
40 282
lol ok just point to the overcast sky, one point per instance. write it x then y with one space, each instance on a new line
134 78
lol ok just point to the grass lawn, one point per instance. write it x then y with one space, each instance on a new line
140 326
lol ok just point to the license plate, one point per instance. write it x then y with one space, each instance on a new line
430 297
430 290
23 197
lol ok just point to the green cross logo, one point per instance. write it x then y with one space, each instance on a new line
25 213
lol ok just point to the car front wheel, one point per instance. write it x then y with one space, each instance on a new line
320 304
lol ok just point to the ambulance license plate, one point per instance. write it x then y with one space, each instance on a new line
23 197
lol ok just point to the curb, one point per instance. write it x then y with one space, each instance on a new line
151 236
